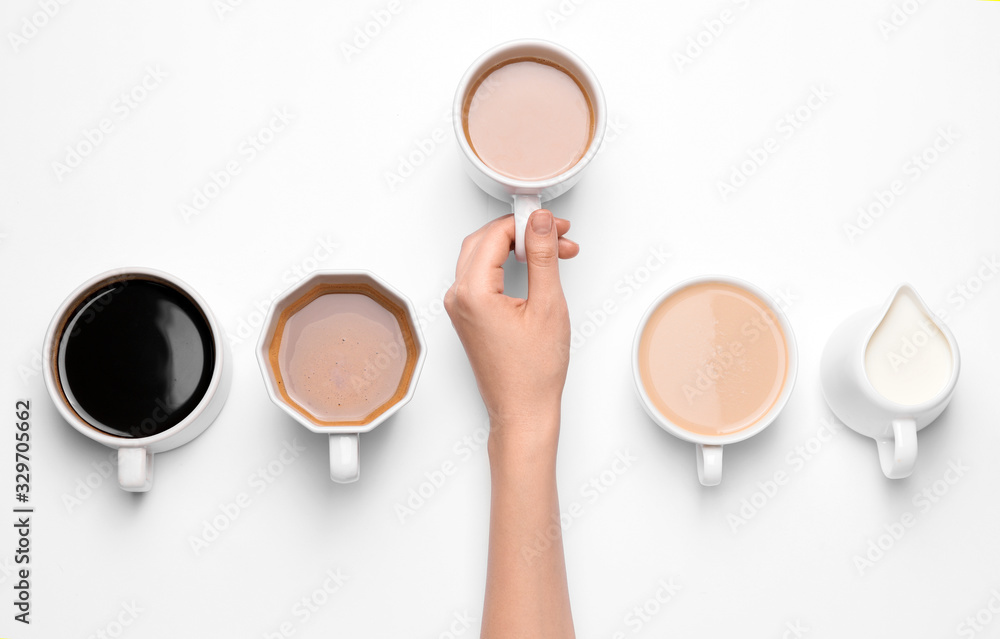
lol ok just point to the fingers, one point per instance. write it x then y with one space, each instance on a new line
562 226
493 246
541 247
567 247
471 243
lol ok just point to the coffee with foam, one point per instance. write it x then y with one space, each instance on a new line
528 119
713 358
343 354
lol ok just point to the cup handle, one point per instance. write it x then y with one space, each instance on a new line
898 453
709 458
524 206
345 451
135 469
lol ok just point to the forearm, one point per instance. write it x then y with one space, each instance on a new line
526 591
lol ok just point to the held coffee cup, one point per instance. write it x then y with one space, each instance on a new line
714 362
341 352
135 360
888 372
529 116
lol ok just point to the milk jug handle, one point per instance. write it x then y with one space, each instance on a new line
898 453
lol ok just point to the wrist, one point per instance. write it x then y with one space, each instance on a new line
523 441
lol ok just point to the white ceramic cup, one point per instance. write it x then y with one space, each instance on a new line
708 448
527 196
854 400
345 463
135 455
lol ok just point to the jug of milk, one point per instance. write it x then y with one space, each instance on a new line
888 372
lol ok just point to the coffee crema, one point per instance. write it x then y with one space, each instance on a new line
342 354
713 358
135 357
528 119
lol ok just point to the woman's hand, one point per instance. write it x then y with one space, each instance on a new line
519 349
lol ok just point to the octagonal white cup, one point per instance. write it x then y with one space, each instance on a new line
344 440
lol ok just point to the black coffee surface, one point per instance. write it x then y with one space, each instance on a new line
137 358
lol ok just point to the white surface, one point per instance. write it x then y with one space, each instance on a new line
673 134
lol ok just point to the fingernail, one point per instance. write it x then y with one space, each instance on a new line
541 222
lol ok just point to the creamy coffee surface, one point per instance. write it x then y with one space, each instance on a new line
342 356
529 121
713 358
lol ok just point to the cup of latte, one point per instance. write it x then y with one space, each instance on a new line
529 116
341 352
714 362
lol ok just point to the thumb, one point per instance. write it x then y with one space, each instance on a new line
541 247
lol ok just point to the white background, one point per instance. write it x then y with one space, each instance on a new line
678 130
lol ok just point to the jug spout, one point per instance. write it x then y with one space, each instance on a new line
909 353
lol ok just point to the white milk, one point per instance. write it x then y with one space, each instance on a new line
908 359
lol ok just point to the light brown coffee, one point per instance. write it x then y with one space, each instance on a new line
713 358
528 119
343 354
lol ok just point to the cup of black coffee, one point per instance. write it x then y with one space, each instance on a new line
135 360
